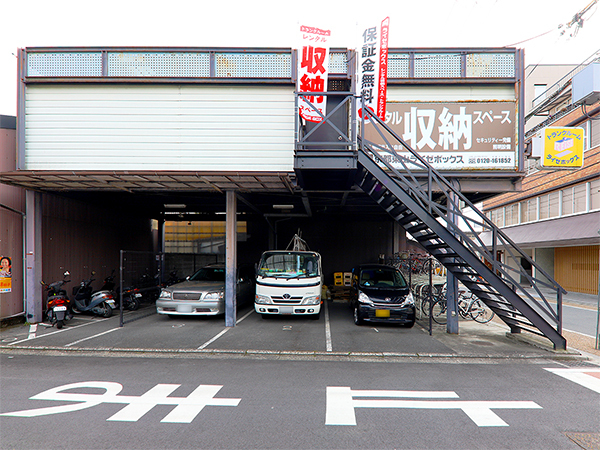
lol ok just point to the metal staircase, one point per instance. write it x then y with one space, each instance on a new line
427 205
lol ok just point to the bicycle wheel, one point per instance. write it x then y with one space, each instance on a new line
426 301
463 308
479 312
438 312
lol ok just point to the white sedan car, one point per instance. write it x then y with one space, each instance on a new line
203 293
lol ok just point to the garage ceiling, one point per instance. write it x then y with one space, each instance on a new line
154 194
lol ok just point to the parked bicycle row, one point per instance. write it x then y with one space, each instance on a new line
431 300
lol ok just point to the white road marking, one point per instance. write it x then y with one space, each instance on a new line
57 331
32 331
341 404
586 377
92 337
207 343
577 332
328 344
186 408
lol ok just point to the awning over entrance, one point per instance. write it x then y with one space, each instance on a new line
566 231
147 181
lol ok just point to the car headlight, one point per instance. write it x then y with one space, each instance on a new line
313 300
164 294
262 299
409 300
213 296
364 298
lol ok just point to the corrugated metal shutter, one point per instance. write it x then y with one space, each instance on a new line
159 127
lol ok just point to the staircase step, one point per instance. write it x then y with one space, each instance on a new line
406 219
416 228
419 221
387 201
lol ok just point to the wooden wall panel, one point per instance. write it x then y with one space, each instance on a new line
576 268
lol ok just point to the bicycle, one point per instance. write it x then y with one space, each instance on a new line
428 297
469 307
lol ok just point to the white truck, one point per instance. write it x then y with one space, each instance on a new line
289 282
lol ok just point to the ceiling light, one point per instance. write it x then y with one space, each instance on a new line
283 206
175 205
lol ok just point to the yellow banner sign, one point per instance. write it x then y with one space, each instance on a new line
563 147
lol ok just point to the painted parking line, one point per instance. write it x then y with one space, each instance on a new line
55 332
32 331
328 343
207 343
92 337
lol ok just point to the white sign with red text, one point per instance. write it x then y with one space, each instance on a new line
313 66
372 68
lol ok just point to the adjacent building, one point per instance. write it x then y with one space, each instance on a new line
555 215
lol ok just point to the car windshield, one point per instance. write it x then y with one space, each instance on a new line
382 278
289 265
209 274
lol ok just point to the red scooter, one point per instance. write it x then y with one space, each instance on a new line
58 303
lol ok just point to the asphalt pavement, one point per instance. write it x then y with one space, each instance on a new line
333 336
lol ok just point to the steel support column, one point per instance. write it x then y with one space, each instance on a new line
230 259
451 280
33 256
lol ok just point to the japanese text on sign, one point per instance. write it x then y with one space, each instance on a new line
563 147
465 135
372 68
313 64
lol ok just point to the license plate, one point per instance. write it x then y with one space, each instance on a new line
111 303
382 313
60 308
184 308
286 309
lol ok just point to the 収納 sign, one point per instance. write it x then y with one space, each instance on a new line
453 135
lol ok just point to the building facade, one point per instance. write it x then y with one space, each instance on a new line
556 214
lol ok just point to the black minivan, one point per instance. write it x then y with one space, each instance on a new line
380 293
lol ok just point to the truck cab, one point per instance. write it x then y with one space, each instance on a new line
289 282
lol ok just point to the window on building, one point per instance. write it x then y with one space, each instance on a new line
553 204
544 207
498 217
512 214
567 203
579 198
595 194
539 93
199 236
587 134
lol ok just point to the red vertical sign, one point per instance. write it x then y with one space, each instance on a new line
383 68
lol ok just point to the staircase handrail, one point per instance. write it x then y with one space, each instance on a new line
498 237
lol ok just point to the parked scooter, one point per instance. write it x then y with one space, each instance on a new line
57 312
173 279
84 299
131 296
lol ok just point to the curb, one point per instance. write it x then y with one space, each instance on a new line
285 355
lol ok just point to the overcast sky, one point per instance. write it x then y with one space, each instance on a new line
529 24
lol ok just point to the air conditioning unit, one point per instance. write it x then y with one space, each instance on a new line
585 86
